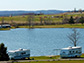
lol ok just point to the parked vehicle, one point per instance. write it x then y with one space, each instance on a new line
19 54
71 52
5 26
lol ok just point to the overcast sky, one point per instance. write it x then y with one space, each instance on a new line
41 4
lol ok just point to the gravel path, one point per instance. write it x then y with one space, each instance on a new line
42 60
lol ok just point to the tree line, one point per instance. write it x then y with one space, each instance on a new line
71 20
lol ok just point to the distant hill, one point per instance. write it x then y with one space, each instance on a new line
14 13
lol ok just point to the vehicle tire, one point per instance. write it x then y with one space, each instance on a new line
76 56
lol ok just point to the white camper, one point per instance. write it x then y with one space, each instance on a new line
71 52
19 54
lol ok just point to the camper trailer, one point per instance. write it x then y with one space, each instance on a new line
71 52
19 54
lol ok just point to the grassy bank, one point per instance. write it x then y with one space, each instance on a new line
48 26
56 26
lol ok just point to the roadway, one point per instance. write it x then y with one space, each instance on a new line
42 60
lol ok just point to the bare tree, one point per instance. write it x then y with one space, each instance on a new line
30 21
41 19
2 20
74 37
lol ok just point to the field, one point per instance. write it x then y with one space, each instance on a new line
36 18
24 19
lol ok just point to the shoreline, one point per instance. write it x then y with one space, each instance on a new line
48 26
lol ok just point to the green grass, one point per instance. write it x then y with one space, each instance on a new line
48 57
45 57
82 55
56 26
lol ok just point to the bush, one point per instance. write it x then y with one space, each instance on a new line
71 20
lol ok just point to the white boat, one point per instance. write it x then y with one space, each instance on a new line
71 52
19 54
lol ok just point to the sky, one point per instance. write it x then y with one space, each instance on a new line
28 5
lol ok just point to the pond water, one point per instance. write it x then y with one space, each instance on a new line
41 42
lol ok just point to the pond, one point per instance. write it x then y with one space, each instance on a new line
41 41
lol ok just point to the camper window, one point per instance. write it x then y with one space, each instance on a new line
69 51
23 53
16 54
63 52
73 51
79 52
76 51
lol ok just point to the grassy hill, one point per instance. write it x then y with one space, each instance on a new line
53 18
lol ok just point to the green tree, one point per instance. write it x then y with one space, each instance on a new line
71 20
81 20
3 53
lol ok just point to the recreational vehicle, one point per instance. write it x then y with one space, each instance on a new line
71 52
19 54
5 26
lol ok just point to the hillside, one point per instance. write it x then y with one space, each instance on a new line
15 13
